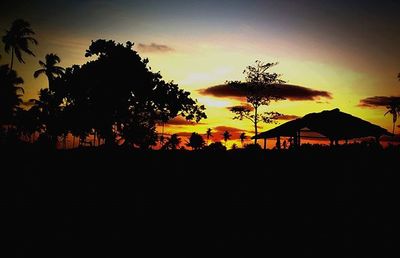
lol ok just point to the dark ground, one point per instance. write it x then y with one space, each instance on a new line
309 203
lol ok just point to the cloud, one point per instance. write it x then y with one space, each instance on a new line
378 101
230 129
153 47
184 134
287 117
288 91
248 106
181 121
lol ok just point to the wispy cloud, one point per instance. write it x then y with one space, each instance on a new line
181 121
378 101
154 47
288 91
287 117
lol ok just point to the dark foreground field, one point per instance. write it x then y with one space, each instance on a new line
91 203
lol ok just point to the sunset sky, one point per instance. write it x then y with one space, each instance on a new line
342 51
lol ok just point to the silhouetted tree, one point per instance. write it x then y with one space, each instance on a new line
10 94
216 146
28 123
49 112
196 142
260 90
50 69
226 136
17 40
173 142
242 138
394 110
208 134
122 96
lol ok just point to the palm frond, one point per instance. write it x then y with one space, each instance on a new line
19 55
39 72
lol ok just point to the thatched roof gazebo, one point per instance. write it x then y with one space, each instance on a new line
332 124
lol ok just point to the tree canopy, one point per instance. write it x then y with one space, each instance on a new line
260 90
118 96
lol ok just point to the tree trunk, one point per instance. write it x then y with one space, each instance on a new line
255 125
394 127
50 84
12 59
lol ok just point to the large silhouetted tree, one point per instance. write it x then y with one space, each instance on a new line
393 109
50 69
10 94
118 95
18 39
259 89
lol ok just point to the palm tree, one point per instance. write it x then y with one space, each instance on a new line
10 94
49 110
242 138
208 134
50 69
17 40
394 110
226 136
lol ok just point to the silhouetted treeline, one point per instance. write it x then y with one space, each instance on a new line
115 98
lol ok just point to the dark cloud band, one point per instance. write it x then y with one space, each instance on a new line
288 91
378 101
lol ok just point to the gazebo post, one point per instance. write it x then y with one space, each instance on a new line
278 142
265 143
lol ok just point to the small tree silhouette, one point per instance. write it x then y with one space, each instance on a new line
10 94
173 142
242 138
196 142
394 110
208 134
226 136
260 90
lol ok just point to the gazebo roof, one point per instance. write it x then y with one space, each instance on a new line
333 124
